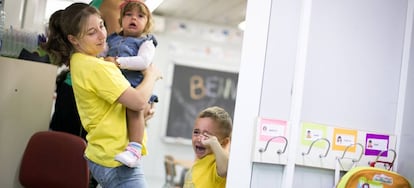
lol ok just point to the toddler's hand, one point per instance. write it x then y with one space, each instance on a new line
149 111
112 59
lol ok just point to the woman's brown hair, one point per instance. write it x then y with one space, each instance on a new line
62 23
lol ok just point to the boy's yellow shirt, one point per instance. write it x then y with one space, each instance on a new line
204 173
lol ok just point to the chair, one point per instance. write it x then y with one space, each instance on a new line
54 159
170 172
171 164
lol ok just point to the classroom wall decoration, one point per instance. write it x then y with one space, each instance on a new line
193 89
322 146
270 128
272 141
375 143
312 132
343 138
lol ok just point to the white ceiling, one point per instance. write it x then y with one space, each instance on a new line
222 12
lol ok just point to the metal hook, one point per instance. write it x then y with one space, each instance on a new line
393 151
372 164
279 152
310 147
349 146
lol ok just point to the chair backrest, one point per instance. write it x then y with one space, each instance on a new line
54 159
170 171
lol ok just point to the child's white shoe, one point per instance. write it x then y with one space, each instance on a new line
128 158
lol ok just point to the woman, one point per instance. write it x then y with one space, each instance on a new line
102 94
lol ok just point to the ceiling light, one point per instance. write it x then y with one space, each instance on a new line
242 25
153 4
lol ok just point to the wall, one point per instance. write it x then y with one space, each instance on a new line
405 118
14 13
347 70
354 63
26 14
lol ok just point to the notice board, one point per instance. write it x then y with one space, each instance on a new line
194 89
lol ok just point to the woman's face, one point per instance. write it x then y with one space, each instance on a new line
92 39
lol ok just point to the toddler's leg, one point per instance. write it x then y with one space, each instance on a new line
136 127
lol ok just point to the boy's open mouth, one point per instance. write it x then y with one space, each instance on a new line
200 149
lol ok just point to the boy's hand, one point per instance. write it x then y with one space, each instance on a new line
209 140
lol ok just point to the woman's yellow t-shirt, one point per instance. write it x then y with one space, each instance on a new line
97 85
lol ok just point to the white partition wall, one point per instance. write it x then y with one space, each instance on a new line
404 118
354 63
342 66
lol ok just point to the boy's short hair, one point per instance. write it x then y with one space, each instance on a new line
221 117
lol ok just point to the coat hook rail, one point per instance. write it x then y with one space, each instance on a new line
279 152
360 155
317 140
390 164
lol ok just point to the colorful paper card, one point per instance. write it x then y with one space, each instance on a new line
376 143
343 138
270 128
313 131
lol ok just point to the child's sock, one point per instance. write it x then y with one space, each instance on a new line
135 148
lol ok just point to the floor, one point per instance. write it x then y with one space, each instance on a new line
153 182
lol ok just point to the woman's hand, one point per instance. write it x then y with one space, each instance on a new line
152 70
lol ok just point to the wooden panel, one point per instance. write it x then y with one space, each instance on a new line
26 99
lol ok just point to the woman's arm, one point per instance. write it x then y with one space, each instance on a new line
137 98
110 14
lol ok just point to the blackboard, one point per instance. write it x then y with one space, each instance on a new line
193 89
